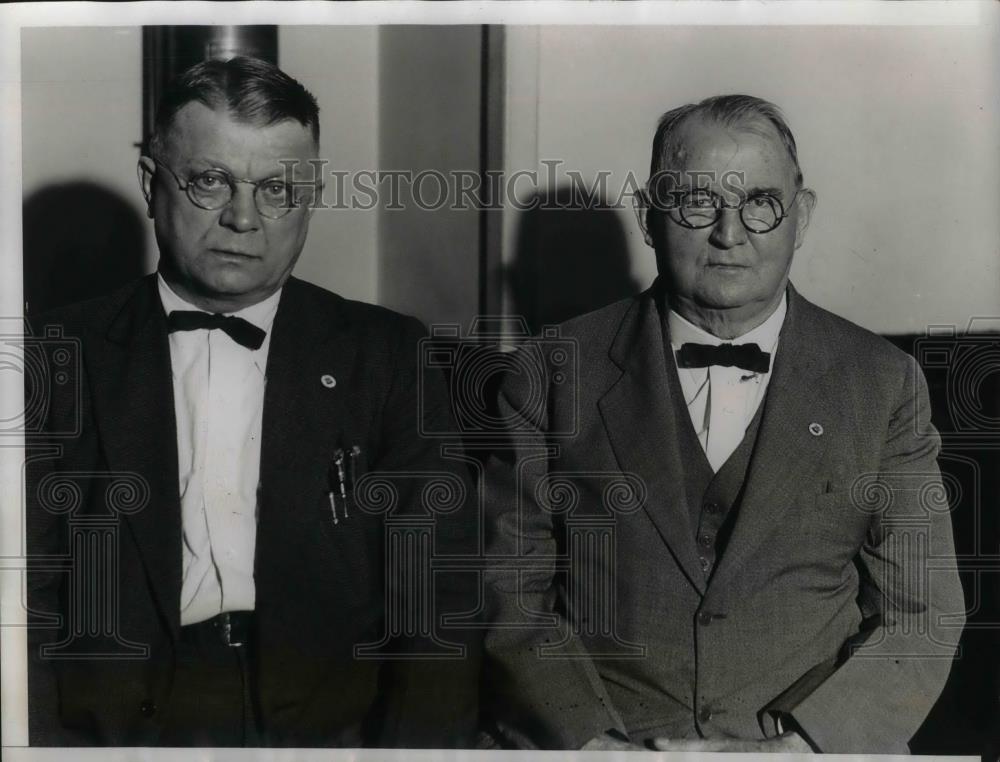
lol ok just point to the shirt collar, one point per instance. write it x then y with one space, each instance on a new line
260 314
765 335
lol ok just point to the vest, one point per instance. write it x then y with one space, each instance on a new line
713 498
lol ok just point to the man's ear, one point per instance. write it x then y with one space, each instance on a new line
805 203
146 169
642 209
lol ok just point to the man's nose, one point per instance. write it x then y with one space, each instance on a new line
728 230
241 214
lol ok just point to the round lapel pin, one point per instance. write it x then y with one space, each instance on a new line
815 429
328 381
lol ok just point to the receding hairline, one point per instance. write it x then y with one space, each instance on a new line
738 112
158 140
754 125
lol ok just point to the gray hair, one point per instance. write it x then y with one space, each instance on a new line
729 111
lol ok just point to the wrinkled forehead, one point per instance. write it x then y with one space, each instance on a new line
202 134
704 148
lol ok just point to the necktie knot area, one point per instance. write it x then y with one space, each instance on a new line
746 356
243 332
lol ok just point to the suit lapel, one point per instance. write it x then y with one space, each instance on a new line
308 412
641 424
309 380
789 448
134 409
308 363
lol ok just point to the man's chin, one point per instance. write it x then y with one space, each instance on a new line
229 290
229 281
726 300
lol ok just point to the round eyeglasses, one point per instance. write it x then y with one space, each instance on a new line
213 189
760 212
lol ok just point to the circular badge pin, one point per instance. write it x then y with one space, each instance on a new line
328 381
815 429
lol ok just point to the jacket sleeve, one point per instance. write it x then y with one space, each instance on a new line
875 696
535 700
432 695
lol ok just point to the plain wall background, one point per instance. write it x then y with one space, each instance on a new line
429 108
339 65
898 131
81 100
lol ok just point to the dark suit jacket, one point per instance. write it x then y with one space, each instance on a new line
841 538
320 589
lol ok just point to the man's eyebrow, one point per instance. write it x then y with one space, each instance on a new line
770 191
206 163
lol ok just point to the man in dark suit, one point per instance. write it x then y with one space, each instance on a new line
729 533
239 593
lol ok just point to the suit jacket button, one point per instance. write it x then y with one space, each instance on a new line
147 708
704 714
704 618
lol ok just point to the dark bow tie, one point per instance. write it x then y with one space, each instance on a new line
746 356
241 331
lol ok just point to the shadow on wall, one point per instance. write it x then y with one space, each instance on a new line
80 241
571 258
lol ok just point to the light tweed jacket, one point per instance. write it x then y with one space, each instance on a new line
842 539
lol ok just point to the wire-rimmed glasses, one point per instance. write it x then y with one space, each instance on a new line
759 212
214 189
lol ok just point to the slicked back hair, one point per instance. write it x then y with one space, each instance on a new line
729 111
252 91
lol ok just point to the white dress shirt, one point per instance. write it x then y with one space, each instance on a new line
218 403
723 401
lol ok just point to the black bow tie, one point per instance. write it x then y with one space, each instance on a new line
241 331
746 356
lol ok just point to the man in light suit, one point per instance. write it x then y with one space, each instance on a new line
729 532
244 599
